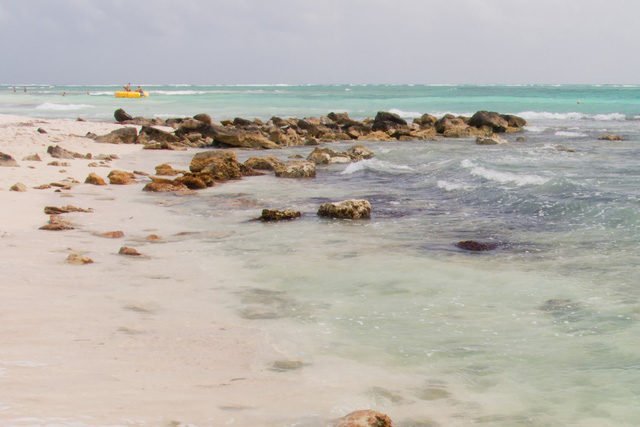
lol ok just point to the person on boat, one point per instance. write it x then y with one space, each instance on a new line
127 87
139 90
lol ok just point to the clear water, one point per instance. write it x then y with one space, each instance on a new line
540 332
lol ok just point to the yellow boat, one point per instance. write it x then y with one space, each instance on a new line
131 94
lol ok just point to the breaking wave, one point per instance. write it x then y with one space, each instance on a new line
377 166
502 177
545 115
50 106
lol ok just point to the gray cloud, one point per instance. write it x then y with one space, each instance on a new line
329 41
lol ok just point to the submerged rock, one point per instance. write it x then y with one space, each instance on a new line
347 209
365 418
279 215
263 163
490 140
166 170
475 246
610 137
112 234
286 365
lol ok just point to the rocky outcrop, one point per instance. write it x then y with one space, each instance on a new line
121 116
166 170
489 119
490 140
242 139
365 418
204 118
325 156
58 152
125 135
118 177
7 161
149 133
347 209
269 215
426 121
385 121
161 185
296 169
221 165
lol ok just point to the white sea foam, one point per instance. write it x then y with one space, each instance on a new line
375 165
502 177
50 106
452 186
570 134
545 115
406 114
536 129
102 93
181 92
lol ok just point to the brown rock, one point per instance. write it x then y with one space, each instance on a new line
222 165
426 121
58 152
121 116
279 215
19 187
160 185
204 118
385 121
347 209
125 135
194 182
490 140
77 259
263 163
59 164
610 137
166 169
41 130
148 133
474 246
296 169
244 139
129 251
32 158
118 177
54 210
94 179
112 234
359 152
365 418
42 187
57 224
489 119
514 121
153 238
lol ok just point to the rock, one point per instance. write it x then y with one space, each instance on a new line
162 146
32 158
59 164
347 209
342 119
474 246
359 152
58 152
279 215
490 120
148 134
514 121
204 118
40 130
222 165
42 187
80 119
296 169
321 156
365 418
490 140
57 224
521 139
94 179
240 122
452 126
195 182
129 251
240 138
153 238
426 120
19 187
166 170
125 135
376 136
263 163
385 121
159 185
77 259
565 149
610 137
120 115
54 210
112 234
118 177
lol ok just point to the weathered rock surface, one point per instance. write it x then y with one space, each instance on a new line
125 250
610 137
325 156
94 179
41 130
118 177
58 152
490 140
222 165
166 170
263 163
121 116
279 215
112 234
125 135
57 224
149 133
385 121
32 158
347 209
55 210
78 259
204 118
365 418
296 169
489 119
160 185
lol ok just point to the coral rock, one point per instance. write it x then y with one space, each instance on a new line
347 209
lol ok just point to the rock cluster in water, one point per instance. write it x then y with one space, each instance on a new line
277 132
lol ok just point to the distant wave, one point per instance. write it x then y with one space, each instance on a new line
375 165
537 115
50 106
452 186
570 134
502 177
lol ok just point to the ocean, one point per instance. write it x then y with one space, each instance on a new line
389 313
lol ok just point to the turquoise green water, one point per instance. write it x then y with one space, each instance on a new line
97 102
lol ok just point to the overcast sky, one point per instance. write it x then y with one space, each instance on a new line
320 41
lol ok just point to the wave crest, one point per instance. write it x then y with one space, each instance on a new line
502 177
376 166
50 106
